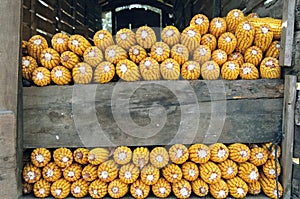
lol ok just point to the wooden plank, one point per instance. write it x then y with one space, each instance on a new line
297 143
51 3
45 11
68 8
8 187
26 15
45 26
296 61
59 121
288 133
26 32
297 15
287 36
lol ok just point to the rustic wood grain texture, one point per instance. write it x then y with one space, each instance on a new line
197 111
297 142
288 133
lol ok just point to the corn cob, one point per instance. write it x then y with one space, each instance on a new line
104 72
238 188
202 54
219 56
218 152
125 38
27 188
263 37
98 156
191 38
172 173
81 155
253 55
69 59
145 37
139 190
114 54
269 68
271 150
137 54
252 15
217 26
149 69
244 33
41 189
49 58
233 18
89 172
128 70
190 171
31 173
258 156
248 172
229 169
41 76
63 157
98 189
160 51
182 189
28 66
210 70
275 25
219 190
269 168
61 188
150 175
161 188
201 22
200 188
59 42
269 187
24 48
227 42
78 44
273 50
170 35
248 71
61 75
159 157
254 188
178 153
199 153
51 172
170 69
239 152
122 155
103 39
40 157
180 53
93 56
80 188
117 189
230 70
237 57
140 156
190 70
82 73
129 173
35 45
108 171
209 40
72 172
210 172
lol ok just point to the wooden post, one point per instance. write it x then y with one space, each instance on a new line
288 133
287 37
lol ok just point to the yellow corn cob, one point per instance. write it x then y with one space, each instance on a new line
248 71
103 39
122 155
172 173
244 33
229 169
233 18
41 189
248 172
24 48
40 157
31 173
269 187
190 171
263 37
209 40
239 152
145 37
104 72
137 54
72 172
275 25
41 76
35 45
254 188
159 157
140 156
259 156
115 53
269 168
269 68
51 172
202 54
219 56
178 153
59 42
182 189
89 172
190 70
129 173
253 55
210 172
108 171
170 35
80 188
98 156
160 51
162 188
199 153
61 188
149 69
219 190
82 73
210 70
98 189
28 66
93 56
63 157
271 151
230 70
200 188
170 69
180 53
139 190
49 58
69 59
201 22
191 38
125 38
150 175
218 152
81 155
117 189
237 57
227 42
61 75
252 15
273 50
128 70
78 44
238 188
217 26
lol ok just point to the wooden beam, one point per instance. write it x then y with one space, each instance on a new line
287 36
288 133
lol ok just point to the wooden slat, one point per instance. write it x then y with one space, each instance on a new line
51 3
45 25
26 15
26 32
66 28
297 15
287 36
297 142
288 133
45 11
67 7
67 19
254 112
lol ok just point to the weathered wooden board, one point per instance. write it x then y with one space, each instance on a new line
297 143
108 115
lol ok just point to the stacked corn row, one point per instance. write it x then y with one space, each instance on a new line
228 48
220 170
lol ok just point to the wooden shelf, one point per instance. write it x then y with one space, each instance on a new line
86 115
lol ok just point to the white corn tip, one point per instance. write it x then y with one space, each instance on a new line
259 155
127 174
136 51
144 34
247 71
254 52
272 172
40 158
150 178
184 192
199 21
169 65
169 33
49 173
104 174
92 54
228 39
30 175
236 14
162 190
42 191
264 30
192 172
26 63
122 155
277 46
71 174
77 190
75 42
112 53
106 68
222 194
253 175
101 36
115 189
159 51
57 192
58 73
147 63
231 66
218 24
210 67
240 191
220 55
123 68
202 153
191 33
65 159
221 153
37 42
202 51
213 176
48 56
179 153
139 192
40 76
95 192
244 153
123 36
60 41
270 63
82 69
175 176
191 67
229 170
246 26
159 158
180 50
